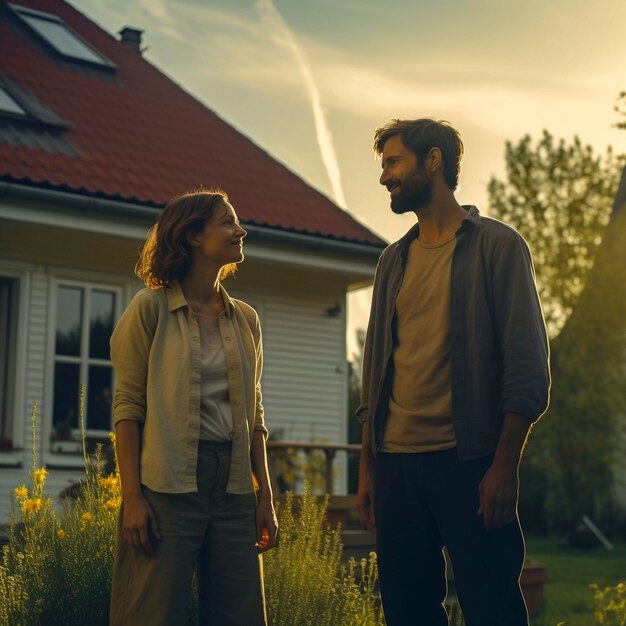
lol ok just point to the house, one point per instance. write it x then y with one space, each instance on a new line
94 141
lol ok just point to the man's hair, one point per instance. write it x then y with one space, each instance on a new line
420 136
167 255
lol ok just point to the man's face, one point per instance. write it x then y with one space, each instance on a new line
405 178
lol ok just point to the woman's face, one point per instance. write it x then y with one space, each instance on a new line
221 240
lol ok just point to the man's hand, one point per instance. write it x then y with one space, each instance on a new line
498 492
365 505
139 524
266 525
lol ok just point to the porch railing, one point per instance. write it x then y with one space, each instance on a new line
329 449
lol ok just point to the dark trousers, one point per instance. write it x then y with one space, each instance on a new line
426 501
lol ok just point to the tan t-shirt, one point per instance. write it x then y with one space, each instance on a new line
420 406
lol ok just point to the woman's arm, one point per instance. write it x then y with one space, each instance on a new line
265 515
138 521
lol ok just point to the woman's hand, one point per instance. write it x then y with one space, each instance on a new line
266 525
139 524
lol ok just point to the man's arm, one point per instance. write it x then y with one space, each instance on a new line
499 488
365 494
521 334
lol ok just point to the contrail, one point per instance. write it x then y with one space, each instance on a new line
324 136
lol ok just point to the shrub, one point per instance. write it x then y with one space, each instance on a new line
610 605
57 566
306 584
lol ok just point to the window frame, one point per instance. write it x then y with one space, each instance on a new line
69 453
14 456
13 114
19 11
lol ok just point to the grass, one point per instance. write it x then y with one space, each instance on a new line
567 595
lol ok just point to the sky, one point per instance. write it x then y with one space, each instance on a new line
310 80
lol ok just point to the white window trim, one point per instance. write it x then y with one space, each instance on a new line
16 456
72 450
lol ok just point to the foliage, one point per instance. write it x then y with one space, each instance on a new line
581 438
57 566
354 399
610 605
620 108
567 596
559 198
306 584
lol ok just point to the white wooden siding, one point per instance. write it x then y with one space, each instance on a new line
304 379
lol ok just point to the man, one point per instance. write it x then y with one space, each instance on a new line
455 372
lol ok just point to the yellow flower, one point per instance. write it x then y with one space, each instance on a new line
30 505
112 437
113 504
40 475
21 493
61 533
109 482
86 517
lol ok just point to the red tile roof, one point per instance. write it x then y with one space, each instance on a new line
141 138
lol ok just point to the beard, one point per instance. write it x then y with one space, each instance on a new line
415 193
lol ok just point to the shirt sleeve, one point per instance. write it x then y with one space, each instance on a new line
362 410
259 411
520 329
130 343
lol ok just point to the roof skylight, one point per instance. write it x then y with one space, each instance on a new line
60 36
8 104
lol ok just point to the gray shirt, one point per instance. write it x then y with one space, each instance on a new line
499 346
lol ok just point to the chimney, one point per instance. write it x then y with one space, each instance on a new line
131 37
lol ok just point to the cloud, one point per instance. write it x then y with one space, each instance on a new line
322 130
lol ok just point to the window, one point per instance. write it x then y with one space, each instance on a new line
60 36
8 104
85 317
8 358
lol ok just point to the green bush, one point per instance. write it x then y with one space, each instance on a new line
56 568
306 584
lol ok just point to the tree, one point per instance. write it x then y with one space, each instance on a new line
584 430
620 108
354 399
559 198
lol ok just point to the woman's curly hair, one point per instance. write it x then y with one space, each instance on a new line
166 256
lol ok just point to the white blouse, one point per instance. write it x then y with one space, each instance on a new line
216 416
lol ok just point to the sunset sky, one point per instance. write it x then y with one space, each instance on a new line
310 80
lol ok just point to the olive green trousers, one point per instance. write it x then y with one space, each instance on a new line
211 533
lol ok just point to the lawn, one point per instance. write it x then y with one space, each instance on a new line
568 597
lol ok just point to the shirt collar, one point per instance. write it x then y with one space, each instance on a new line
176 298
472 218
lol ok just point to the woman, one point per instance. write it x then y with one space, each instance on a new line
189 429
